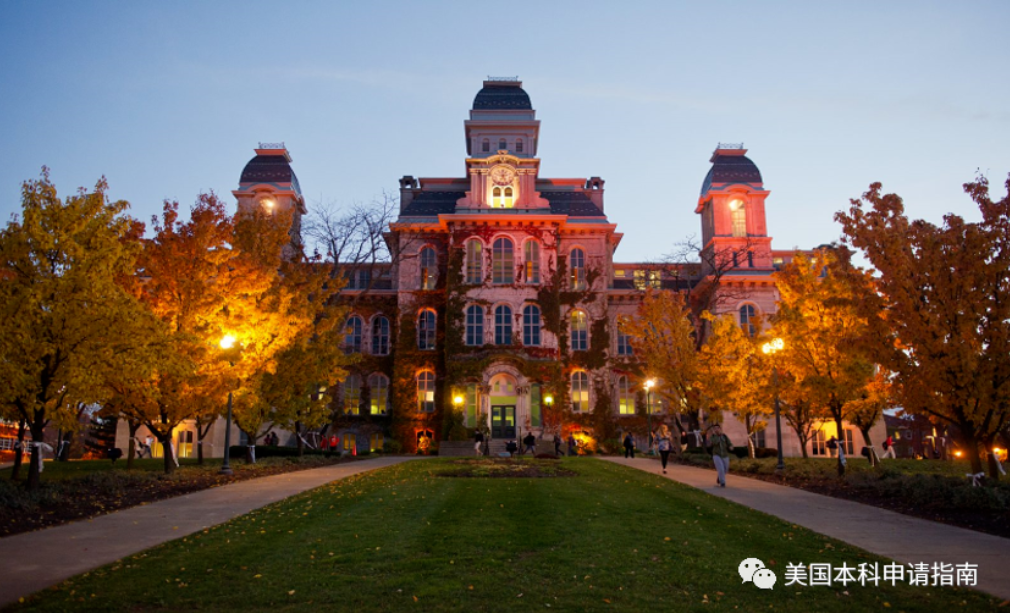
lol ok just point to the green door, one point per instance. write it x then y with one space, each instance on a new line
503 421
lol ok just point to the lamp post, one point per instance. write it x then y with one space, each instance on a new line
227 342
649 384
771 348
549 401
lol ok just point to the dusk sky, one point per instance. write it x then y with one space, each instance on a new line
168 99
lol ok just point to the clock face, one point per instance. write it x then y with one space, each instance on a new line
502 175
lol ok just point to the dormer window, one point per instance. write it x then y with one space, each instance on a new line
486 146
502 144
519 145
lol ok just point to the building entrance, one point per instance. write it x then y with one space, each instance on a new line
503 421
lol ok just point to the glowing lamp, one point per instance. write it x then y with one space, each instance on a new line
227 341
957 454
773 346
735 204
548 400
457 400
650 383
269 204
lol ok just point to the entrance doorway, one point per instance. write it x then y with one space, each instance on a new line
503 421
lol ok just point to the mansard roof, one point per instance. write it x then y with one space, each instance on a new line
502 95
435 203
269 169
730 169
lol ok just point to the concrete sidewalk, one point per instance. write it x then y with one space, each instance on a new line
33 561
900 537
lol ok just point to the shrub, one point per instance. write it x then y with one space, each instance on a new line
392 446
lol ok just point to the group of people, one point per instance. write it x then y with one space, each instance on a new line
719 444
529 444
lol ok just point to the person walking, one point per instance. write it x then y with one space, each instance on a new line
889 448
573 445
478 442
557 444
664 443
721 446
629 446
530 444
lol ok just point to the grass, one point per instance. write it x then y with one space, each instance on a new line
407 538
59 471
828 467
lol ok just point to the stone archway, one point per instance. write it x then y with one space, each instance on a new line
505 401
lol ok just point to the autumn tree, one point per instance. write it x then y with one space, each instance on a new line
820 322
866 410
944 292
61 308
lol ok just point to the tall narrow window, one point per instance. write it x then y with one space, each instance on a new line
376 442
580 391
818 446
474 325
625 399
750 259
531 325
352 395
378 386
579 331
426 392
429 272
380 335
474 262
502 263
738 214
519 145
502 144
353 335
503 325
507 199
747 314
426 329
531 257
577 262
486 146
623 342
496 200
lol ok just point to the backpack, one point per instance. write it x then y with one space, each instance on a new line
832 444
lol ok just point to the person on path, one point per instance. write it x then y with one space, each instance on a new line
573 445
889 448
629 446
512 448
557 444
333 444
324 446
721 447
664 443
478 442
530 444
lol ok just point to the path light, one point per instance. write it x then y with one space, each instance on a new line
771 348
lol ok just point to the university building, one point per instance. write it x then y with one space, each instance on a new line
501 305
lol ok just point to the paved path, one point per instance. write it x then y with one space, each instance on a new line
900 537
33 561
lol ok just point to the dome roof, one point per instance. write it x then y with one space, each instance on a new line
502 95
266 168
731 168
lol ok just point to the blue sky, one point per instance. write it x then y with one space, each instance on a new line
169 99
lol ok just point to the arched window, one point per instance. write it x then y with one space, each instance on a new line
486 146
531 257
426 329
738 215
474 325
747 314
580 331
502 266
426 391
507 200
580 391
352 395
502 144
429 272
503 325
519 145
577 262
474 262
353 335
531 325
625 399
380 335
378 386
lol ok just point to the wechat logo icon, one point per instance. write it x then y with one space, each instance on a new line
753 570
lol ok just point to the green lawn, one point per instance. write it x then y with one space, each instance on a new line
405 538
828 467
57 471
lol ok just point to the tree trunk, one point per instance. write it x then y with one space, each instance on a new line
298 439
971 447
166 451
65 443
250 454
19 450
841 441
131 453
993 463
874 460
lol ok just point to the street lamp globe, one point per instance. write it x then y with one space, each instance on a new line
227 341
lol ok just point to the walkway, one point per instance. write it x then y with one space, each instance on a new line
900 537
33 561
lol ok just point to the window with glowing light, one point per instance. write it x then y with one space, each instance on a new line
426 392
502 262
426 329
577 263
818 444
474 325
352 395
353 335
378 387
350 441
747 315
580 391
738 215
380 335
474 262
531 257
503 325
429 272
502 198
531 325
625 399
579 331
376 442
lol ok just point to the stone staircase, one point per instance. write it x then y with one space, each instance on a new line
459 449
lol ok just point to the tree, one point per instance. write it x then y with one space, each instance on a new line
61 309
867 410
733 377
944 292
820 322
